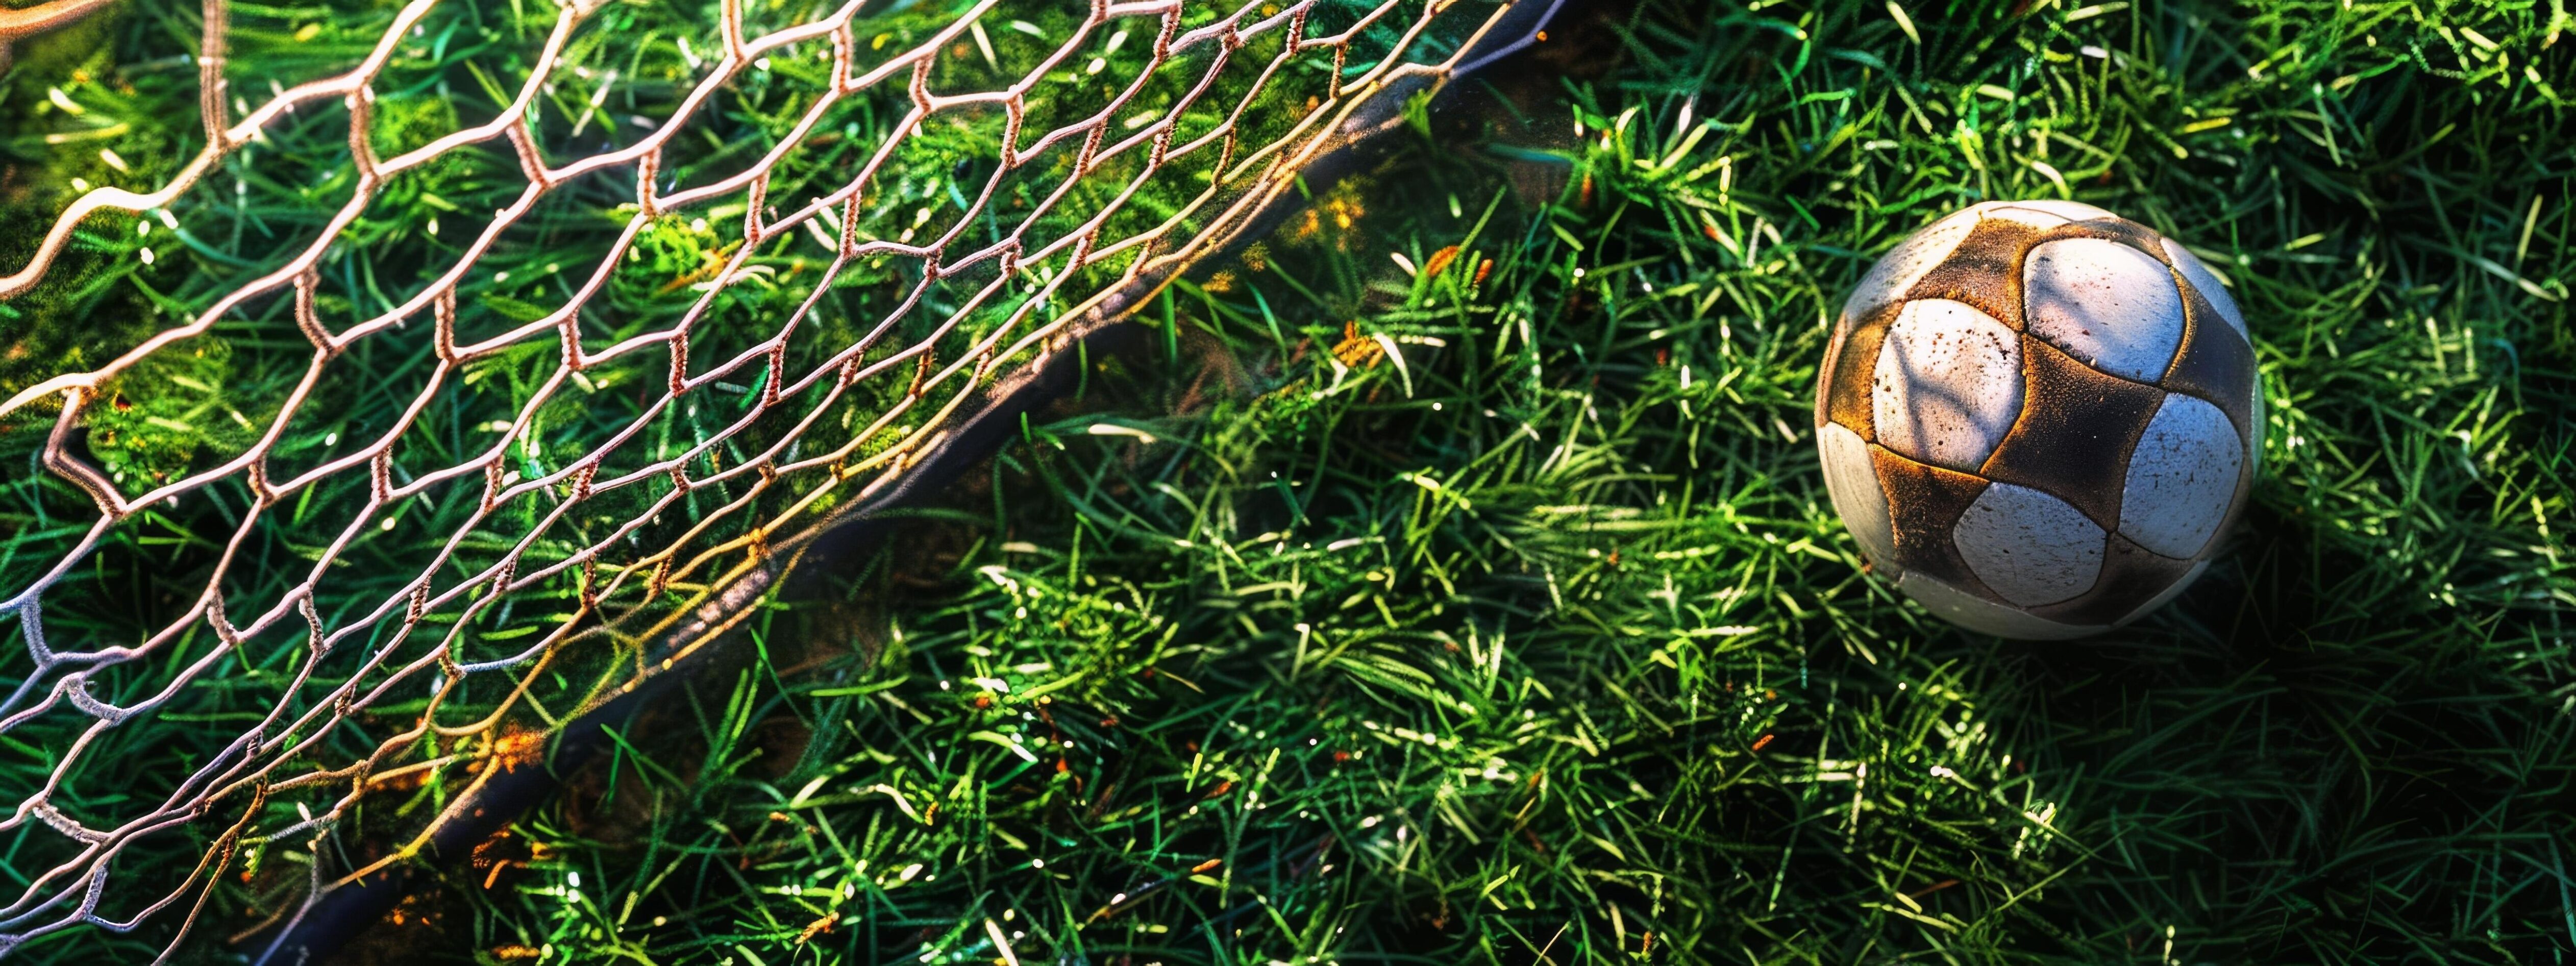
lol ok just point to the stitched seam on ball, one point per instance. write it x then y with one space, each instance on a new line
2248 434
2109 230
2128 444
2135 237
1868 332
2182 282
2104 573
2092 597
1924 337
1952 568
2079 360
2003 233
2242 481
2192 305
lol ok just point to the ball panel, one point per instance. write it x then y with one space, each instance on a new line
1923 503
2182 478
2076 429
1855 360
2198 274
2104 302
2216 365
2029 547
1947 384
2167 595
2130 574
1853 483
2068 210
1984 616
1897 271
1984 271
2114 228
2020 214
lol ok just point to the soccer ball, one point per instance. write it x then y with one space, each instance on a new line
2037 417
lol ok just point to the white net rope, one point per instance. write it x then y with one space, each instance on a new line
470 500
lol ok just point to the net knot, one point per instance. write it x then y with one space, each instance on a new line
75 688
777 374
53 817
255 476
321 640
58 457
921 365
570 331
307 317
492 485
502 574
215 619
531 162
648 203
661 578
380 476
443 334
758 198
679 382
31 625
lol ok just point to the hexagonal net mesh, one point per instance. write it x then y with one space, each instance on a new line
443 419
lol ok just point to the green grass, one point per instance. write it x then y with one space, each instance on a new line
1544 645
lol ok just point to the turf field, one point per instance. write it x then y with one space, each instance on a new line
1451 578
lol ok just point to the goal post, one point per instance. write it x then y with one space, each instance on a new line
482 375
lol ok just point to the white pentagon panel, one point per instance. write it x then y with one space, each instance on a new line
1985 616
1947 384
1907 263
1853 483
2198 274
2110 305
2028 546
2181 478
2027 217
2167 595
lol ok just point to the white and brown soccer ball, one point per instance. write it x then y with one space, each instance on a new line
2037 418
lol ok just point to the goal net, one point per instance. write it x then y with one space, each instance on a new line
478 349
